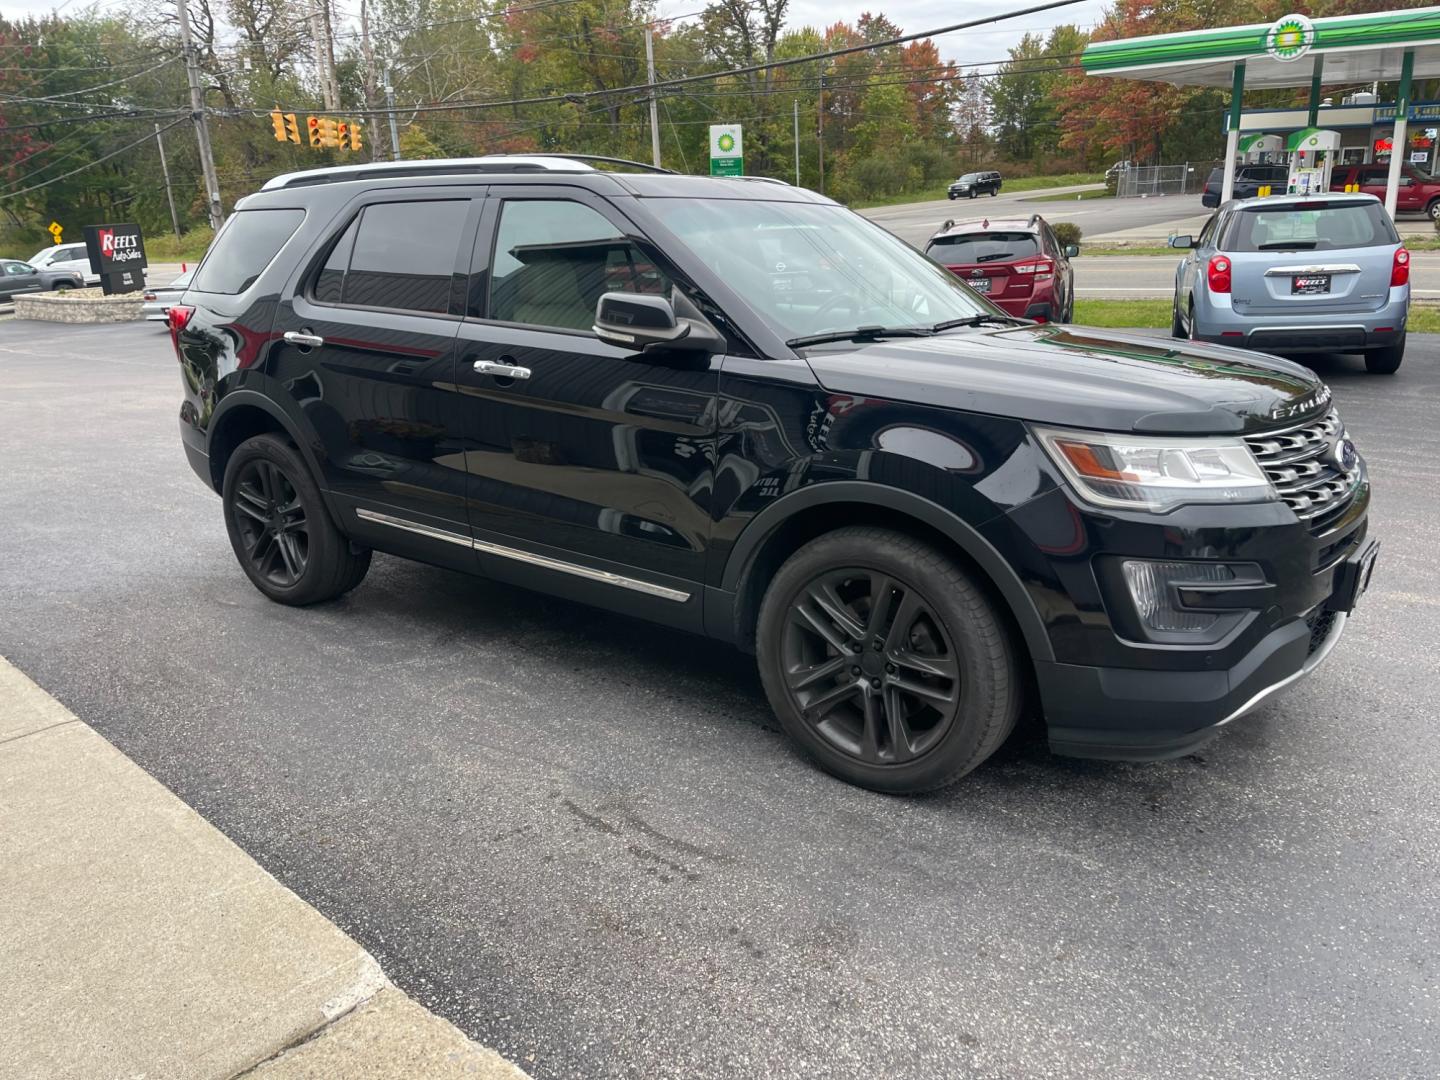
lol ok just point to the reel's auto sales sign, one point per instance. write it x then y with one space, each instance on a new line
117 254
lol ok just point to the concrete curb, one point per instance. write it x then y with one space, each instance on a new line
139 941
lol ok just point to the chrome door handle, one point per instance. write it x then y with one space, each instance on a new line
501 371
301 337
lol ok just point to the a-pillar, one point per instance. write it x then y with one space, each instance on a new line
1397 140
1232 137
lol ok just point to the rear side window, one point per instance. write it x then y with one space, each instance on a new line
984 247
244 248
404 255
1310 227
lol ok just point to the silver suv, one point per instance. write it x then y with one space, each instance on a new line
1295 274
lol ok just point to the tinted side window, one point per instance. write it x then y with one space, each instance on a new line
331 279
555 258
404 255
245 247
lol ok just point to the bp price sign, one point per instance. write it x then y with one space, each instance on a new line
727 151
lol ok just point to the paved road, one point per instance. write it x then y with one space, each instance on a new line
581 838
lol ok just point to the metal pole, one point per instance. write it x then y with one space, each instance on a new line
1397 140
197 114
1232 137
394 130
820 133
169 194
1315 90
796 103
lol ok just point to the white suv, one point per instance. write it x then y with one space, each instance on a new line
65 257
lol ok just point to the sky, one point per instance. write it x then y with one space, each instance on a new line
966 47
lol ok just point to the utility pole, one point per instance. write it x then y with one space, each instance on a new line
197 114
330 54
390 106
322 56
820 133
796 103
169 194
654 120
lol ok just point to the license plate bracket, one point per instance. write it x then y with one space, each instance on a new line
1353 577
1309 284
980 285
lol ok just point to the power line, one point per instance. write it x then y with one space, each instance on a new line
90 165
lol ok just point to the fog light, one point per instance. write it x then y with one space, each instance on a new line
1151 584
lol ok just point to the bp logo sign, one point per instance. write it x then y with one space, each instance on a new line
1290 38
727 150
726 143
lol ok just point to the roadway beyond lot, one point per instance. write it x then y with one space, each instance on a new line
582 839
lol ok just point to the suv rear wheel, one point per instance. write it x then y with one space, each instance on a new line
279 527
1432 208
885 661
1386 361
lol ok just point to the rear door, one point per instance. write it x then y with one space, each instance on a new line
366 351
1314 256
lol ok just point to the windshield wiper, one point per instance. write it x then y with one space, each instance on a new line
979 320
860 333
1288 245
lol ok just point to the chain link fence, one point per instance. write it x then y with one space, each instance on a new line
1140 181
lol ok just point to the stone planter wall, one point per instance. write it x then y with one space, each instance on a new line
79 306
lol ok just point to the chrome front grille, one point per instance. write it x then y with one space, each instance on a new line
1306 470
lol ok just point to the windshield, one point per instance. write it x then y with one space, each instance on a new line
813 268
1311 227
969 177
985 247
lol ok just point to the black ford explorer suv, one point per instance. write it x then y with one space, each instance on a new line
738 409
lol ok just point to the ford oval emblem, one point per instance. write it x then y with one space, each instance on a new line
1346 456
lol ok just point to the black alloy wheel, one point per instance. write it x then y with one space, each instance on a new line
280 529
870 667
270 520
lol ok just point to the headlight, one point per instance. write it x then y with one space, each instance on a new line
1141 472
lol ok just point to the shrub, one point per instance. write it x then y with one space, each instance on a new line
877 176
1067 232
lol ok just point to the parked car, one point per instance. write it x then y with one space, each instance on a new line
1418 193
158 300
71 257
20 277
915 509
1249 179
976 183
1015 263
1313 273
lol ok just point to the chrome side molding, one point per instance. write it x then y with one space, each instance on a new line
605 577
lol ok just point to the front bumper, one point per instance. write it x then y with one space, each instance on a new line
1153 715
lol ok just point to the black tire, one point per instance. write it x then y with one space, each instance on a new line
1432 209
1191 329
972 193
280 530
1177 328
935 619
950 195
1386 361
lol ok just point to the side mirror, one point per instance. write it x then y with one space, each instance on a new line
643 321
1072 250
1184 243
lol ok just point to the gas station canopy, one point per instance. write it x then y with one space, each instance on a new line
1356 48
1386 46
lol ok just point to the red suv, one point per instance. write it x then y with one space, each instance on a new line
1419 193
1015 263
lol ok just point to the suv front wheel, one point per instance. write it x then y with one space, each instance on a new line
885 662
279 527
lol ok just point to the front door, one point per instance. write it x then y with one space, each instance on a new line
590 467
366 350
19 278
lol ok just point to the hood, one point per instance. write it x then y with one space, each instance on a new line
1078 377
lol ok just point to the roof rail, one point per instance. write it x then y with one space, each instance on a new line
758 179
600 158
493 163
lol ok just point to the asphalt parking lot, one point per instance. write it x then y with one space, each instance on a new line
583 840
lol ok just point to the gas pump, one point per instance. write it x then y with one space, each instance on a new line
1313 153
1254 148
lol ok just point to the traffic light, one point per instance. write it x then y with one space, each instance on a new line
277 120
312 125
355 143
292 129
342 134
328 137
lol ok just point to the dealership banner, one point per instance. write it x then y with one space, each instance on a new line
117 254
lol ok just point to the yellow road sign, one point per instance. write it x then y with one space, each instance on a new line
56 229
